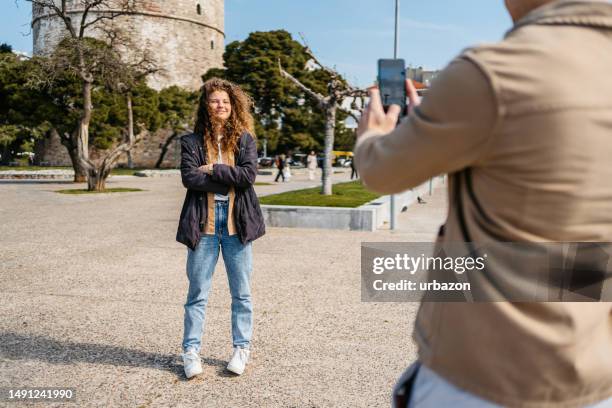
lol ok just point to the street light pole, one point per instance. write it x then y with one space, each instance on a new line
393 220
396 37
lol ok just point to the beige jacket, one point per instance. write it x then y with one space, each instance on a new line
532 118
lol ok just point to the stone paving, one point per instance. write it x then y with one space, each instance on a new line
92 290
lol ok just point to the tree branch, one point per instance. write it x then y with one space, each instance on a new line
322 100
350 113
334 74
113 156
353 93
84 25
339 81
59 12
108 16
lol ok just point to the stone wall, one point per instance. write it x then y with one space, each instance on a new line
145 154
184 43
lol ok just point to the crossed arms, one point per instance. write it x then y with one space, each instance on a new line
218 178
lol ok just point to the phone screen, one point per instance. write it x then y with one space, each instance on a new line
392 82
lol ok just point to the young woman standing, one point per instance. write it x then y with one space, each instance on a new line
221 211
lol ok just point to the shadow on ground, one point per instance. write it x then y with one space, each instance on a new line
14 346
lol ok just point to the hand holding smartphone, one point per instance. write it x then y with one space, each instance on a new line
392 83
388 98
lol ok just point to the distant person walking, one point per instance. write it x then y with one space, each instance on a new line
311 165
280 165
354 173
221 211
287 171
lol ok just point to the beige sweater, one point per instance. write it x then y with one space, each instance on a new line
532 117
228 158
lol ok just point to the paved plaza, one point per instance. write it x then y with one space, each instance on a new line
92 290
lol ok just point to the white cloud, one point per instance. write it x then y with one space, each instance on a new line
425 25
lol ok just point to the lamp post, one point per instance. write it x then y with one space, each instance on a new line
396 36
393 219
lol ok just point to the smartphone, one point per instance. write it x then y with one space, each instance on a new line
392 83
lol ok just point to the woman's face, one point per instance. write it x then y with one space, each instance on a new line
219 105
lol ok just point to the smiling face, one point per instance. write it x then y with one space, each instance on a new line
219 105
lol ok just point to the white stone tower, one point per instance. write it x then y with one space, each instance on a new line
185 37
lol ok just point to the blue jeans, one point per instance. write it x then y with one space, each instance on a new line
201 264
429 390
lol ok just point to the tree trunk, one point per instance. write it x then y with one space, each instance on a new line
80 172
130 129
5 155
164 149
95 180
83 130
330 126
82 137
97 175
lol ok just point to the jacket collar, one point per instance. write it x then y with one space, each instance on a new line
586 13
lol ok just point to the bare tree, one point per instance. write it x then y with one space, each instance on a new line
86 62
140 65
338 90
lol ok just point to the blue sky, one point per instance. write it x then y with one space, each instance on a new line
349 35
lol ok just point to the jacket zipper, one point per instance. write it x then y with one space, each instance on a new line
201 223
237 195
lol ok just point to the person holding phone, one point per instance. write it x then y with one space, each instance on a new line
528 157
221 212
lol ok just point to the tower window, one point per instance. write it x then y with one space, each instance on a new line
212 44
199 8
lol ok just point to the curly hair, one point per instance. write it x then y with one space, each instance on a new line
240 120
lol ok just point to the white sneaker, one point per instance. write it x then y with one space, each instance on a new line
239 360
191 363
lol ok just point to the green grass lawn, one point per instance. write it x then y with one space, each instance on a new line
350 195
124 172
108 190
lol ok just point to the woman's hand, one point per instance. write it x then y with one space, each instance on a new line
207 168
374 116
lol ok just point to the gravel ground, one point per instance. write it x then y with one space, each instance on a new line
92 292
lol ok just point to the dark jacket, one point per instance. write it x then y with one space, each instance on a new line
247 212
280 163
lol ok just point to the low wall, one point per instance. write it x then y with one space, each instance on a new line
382 205
37 175
354 219
368 217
